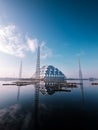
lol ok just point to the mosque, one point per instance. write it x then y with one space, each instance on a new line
48 72
51 73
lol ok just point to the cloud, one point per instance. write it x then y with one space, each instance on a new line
32 44
11 41
11 115
45 51
14 43
15 117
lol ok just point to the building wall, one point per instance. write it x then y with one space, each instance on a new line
50 73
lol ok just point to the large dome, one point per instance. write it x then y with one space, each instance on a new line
50 73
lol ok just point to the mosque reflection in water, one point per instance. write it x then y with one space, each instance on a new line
50 105
46 118
50 88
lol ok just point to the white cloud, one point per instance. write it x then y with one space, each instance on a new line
45 51
14 43
32 44
11 41
9 116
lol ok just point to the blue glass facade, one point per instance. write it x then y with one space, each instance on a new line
50 73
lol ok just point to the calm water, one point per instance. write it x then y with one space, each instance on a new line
32 107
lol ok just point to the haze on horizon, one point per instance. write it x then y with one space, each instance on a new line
65 30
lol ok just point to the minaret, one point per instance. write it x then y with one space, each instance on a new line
81 84
80 73
20 71
38 64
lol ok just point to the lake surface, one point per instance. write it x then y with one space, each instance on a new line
47 106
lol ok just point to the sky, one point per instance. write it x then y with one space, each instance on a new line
66 30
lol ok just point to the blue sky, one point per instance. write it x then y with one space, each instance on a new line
65 30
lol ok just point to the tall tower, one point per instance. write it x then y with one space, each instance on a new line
81 84
20 71
38 64
80 73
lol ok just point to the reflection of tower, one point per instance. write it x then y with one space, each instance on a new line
82 94
38 64
20 71
36 106
33 121
18 94
80 73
